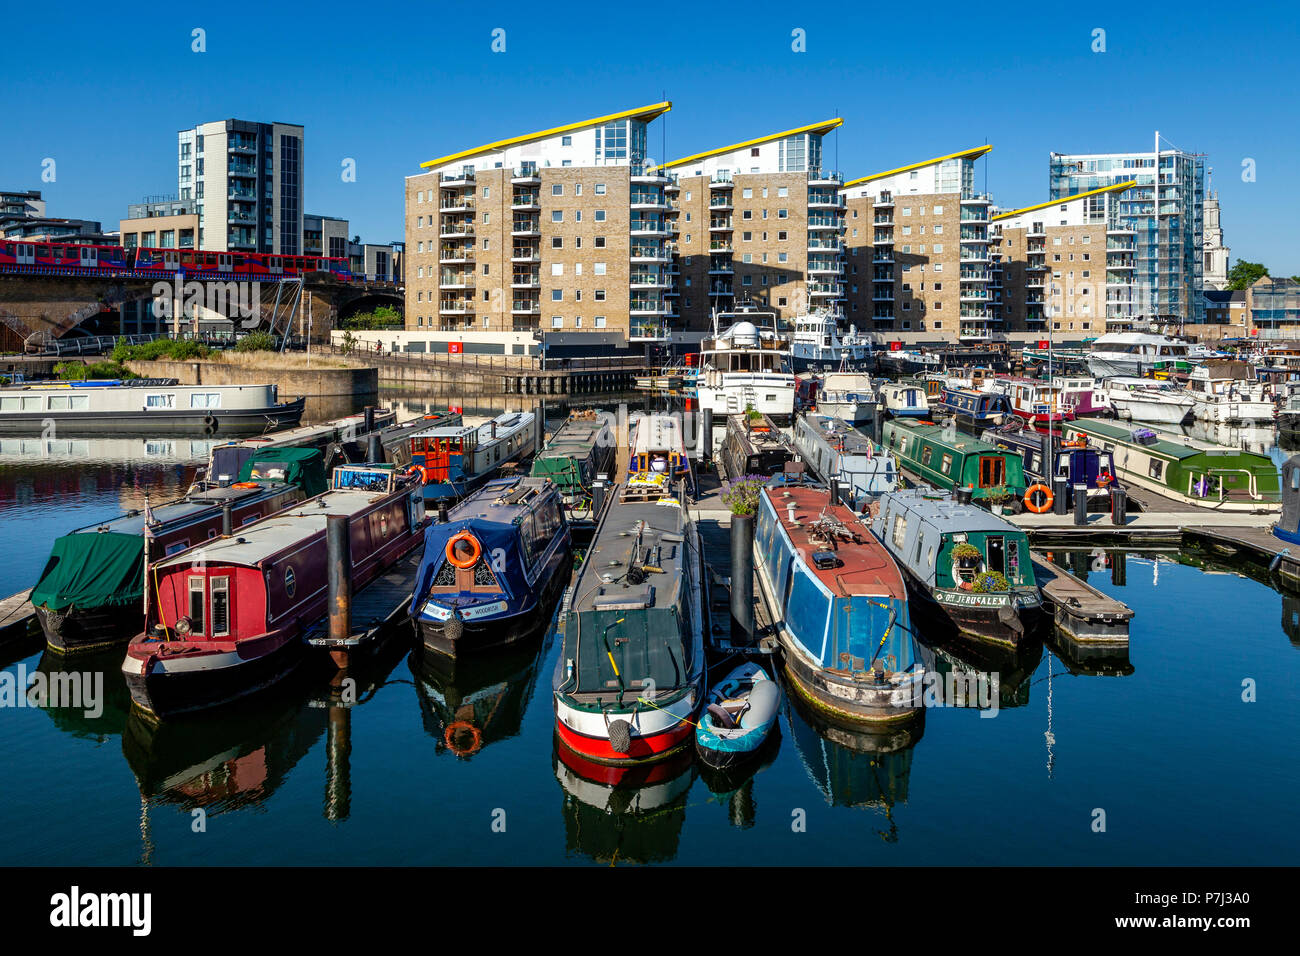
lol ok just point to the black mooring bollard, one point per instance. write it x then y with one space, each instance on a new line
374 451
742 579
706 435
368 418
1060 494
1118 505
227 519
1080 504
1118 569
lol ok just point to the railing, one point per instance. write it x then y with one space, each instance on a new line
368 350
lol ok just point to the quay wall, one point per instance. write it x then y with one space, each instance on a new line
291 382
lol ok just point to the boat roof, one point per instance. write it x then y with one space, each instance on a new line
484 431
575 438
962 442
657 433
761 432
854 442
133 521
1163 445
259 541
634 529
942 511
501 499
866 568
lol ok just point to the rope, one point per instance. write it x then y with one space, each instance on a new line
642 700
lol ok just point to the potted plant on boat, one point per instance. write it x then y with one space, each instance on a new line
966 555
990 582
997 498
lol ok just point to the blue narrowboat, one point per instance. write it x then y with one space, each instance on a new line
840 605
493 571
971 407
1080 463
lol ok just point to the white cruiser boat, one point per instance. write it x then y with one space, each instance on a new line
816 342
155 406
747 365
849 396
1228 392
1147 400
905 399
1138 353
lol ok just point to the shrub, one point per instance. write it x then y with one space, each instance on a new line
742 496
965 551
77 372
384 317
256 342
178 350
998 495
990 582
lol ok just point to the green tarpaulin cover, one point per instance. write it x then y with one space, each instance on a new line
93 569
303 467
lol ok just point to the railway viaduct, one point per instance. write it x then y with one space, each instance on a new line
36 308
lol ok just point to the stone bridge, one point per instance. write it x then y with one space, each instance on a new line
39 308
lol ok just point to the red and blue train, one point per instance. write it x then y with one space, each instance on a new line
55 258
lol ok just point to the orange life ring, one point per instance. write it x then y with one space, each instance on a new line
245 484
1048 498
426 474
476 736
476 550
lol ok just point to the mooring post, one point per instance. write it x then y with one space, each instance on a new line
742 579
1118 568
1118 505
877 418
374 453
597 499
1080 504
706 434
1060 494
338 559
369 417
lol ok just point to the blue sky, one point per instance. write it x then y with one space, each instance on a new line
390 85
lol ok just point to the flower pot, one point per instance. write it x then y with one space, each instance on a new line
997 509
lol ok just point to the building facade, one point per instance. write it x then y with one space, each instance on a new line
1214 256
21 205
246 182
1065 266
160 223
1273 308
1166 212
325 236
759 222
565 229
918 257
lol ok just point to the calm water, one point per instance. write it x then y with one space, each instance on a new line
1160 739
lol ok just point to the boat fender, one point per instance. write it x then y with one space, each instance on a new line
1008 616
1046 504
452 629
455 731
209 425
620 736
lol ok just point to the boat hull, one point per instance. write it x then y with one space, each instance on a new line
960 614
472 637
843 700
83 630
213 421
1156 413
202 681
1234 412
656 734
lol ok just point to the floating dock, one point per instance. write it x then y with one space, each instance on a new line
377 613
1083 613
17 616
1261 543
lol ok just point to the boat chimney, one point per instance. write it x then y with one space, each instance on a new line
369 417
227 519
374 451
835 491
338 560
494 428
442 512
789 511
597 499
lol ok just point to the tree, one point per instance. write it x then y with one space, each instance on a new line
1243 274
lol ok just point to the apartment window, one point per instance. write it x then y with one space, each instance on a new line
600 215
764 213
907 210
747 257
566 140
938 229
600 321
937 248
764 189
1087 257
557 242
753 151
937 210
782 236
557 268
557 322
907 230
747 280
599 268
557 215
577 215
938 287
557 189
747 193
783 257
781 301
557 295
782 214
487 191
486 266
747 214
938 305
600 295
600 190
782 191
600 242
746 236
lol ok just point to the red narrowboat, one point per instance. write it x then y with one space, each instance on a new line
227 617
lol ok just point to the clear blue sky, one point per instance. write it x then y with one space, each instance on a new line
102 89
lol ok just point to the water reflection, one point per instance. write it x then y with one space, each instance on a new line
623 814
866 769
961 665
98 674
468 703
734 786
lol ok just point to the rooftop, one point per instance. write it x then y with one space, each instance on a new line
825 126
974 153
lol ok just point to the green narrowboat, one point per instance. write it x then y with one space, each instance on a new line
581 449
949 459
1191 471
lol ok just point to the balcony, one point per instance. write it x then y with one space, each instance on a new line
883 221
526 200
526 307
648 227
825 290
883 294
825 222
456 307
721 202
721 267
649 280
650 253
644 175
721 180
825 177
245 194
886 239
720 225
464 177
455 230
526 174
528 226
454 280
525 280
825 245
974 214
721 288
245 170
825 200
883 258
975 199
525 254
452 254
648 306
821 266
883 201
461 203
650 201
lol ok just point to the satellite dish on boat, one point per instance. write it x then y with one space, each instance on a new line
744 333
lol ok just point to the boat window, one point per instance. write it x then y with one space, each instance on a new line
1156 468
993 471
925 456
220 607
167 400
1295 480
995 552
205 400
177 546
63 403
196 605
946 465
1013 561
900 530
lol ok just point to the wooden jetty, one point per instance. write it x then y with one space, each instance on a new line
1083 613
1260 543
17 616
378 612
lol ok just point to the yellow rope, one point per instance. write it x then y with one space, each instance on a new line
688 720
